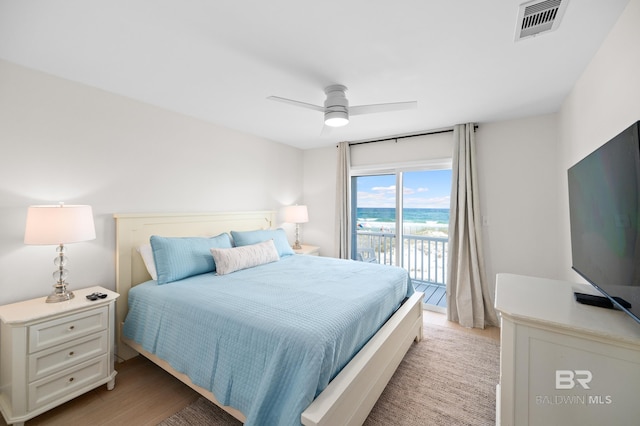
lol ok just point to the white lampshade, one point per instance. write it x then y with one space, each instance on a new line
296 214
59 224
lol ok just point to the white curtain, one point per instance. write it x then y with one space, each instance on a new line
468 296
343 202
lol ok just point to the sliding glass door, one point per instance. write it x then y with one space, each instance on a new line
407 227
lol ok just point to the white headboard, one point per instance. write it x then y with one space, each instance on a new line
134 230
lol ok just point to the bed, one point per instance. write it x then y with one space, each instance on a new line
345 392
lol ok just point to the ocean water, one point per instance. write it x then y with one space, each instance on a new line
383 214
370 216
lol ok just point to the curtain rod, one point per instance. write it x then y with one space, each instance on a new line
433 132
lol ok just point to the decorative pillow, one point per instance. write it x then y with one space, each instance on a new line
182 257
234 259
279 237
147 257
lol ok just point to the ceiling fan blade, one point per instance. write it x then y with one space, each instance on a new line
296 103
374 108
326 130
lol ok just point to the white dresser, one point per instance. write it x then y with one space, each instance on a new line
53 352
561 362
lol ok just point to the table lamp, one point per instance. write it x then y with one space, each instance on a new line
296 214
59 225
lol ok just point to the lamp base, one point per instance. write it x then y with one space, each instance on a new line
60 295
296 245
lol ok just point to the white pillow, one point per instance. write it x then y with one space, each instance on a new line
147 257
229 260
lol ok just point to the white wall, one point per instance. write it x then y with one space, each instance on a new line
320 169
403 152
604 101
62 141
517 163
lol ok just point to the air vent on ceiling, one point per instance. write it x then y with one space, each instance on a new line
539 16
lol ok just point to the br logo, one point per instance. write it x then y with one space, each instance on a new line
566 379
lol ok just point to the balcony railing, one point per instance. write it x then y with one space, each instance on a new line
424 257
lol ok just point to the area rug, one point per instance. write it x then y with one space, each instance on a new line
449 378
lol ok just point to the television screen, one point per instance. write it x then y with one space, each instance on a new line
604 207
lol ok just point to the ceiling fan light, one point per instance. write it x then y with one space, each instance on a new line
336 118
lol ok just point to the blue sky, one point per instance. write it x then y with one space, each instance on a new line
424 189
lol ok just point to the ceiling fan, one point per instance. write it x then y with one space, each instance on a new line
336 107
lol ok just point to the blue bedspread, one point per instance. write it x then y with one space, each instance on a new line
267 340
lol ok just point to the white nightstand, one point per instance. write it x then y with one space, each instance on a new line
308 250
53 352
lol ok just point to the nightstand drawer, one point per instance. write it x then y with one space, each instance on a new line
58 358
67 382
51 333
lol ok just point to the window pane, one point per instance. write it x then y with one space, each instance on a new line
375 216
425 226
425 202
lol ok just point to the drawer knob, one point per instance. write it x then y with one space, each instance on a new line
72 353
72 327
71 379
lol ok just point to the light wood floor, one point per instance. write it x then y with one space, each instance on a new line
146 395
440 319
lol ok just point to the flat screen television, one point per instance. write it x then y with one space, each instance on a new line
604 210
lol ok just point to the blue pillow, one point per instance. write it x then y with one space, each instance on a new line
181 257
279 237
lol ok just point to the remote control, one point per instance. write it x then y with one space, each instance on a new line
96 296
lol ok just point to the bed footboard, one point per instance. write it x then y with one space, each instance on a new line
352 394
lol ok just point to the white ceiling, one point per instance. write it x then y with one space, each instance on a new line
218 60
